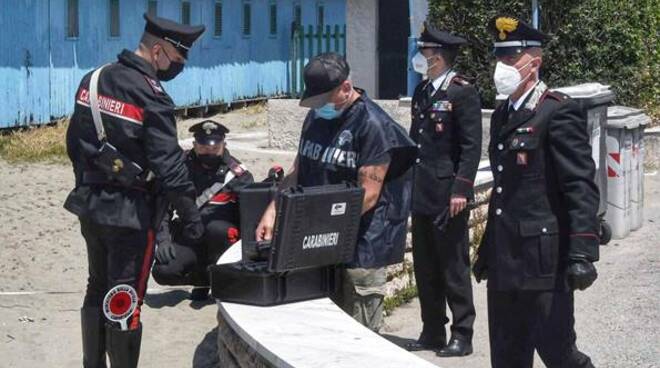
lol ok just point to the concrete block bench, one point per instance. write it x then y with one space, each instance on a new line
314 334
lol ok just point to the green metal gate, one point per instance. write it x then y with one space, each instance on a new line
305 45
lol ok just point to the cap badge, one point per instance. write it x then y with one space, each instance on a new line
504 25
208 127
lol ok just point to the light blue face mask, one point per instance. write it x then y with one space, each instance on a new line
327 112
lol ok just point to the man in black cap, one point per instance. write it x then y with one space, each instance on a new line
123 144
542 234
217 177
446 125
347 137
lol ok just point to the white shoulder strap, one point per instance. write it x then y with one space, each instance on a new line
94 103
207 194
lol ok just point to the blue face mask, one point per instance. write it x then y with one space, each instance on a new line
327 112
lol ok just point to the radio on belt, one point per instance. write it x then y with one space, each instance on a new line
315 230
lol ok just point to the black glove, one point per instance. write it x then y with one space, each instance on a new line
165 252
581 274
192 228
480 269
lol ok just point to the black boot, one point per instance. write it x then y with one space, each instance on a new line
123 346
456 348
93 337
199 294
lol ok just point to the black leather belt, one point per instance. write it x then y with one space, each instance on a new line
100 178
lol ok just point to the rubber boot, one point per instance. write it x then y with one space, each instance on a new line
93 337
123 346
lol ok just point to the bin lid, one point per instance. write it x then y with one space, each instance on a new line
624 117
596 93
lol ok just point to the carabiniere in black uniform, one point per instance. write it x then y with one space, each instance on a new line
219 211
446 125
542 220
117 211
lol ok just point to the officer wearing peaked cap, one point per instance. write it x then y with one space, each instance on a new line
446 125
542 234
217 176
123 145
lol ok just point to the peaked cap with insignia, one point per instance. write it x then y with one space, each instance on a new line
513 35
179 35
208 132
434 38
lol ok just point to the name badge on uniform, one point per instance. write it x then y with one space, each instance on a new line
442 106
521 158
439 127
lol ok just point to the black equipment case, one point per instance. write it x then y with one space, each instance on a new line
316 229
252 283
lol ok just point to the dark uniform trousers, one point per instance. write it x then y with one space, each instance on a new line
542 216
520 321
116 256
446 125
442 271
189 265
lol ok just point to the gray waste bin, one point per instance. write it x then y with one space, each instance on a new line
625 144
593 98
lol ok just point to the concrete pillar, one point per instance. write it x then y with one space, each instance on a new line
362 43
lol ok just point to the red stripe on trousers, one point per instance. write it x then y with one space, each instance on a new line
142 279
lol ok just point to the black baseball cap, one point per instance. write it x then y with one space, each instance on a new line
322 75
181 36
208 132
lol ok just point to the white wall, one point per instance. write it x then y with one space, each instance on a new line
362 43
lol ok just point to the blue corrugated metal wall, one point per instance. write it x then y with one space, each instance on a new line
40 67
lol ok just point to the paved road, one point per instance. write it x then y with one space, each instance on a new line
618 322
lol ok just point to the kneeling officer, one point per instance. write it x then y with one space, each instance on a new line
217 177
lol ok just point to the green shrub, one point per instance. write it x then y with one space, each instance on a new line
608 41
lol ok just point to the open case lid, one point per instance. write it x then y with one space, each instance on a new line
316 226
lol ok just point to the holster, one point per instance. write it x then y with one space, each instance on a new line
117 166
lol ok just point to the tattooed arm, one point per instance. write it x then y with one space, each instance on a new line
371 178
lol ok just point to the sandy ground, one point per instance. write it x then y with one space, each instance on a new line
43 274
43 267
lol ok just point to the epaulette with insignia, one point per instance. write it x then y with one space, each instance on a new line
557 95
460 80
536 96
155 85
448 80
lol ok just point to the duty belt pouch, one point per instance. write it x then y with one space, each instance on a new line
113 163
117 166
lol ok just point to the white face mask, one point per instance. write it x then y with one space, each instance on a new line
507 78
420 63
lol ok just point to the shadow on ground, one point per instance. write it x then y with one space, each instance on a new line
206 353
397 340
167 299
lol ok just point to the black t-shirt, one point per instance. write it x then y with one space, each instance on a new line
332 151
